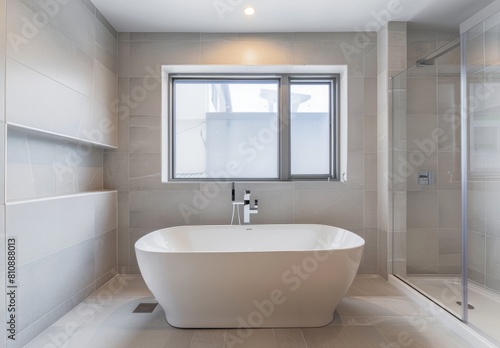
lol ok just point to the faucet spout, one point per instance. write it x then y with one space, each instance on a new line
247 209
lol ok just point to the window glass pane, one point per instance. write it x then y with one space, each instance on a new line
225 129
310 128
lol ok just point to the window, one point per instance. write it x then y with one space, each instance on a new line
252 127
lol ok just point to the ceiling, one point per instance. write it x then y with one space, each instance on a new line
283 15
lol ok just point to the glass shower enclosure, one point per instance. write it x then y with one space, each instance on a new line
446 176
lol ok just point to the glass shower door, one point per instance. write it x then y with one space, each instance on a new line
482 90
426 180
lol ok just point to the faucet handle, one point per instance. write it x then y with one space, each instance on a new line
233 196
256 203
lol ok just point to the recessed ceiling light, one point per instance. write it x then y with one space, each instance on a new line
249 11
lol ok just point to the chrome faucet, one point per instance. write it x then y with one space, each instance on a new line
247 209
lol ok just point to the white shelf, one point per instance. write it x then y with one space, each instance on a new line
57 136
49 198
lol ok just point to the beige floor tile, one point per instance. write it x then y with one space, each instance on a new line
364 306
259 338
208 339
372 285
158 337
372 314
289 338
412 336
340 337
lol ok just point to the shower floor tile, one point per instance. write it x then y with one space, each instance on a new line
373 314
448 290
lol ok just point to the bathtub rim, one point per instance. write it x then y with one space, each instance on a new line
360 239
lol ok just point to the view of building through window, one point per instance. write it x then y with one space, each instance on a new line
232 128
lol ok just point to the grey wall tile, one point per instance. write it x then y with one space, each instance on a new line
27 335
102 127
449 171
370 133
116 170
39 167
356 87
105 85
145 171
145 57
355 133
476 276
355 170
493 283
48 100
77 168
160 209
49 52
422 96
123 58
49 86
151 201
106 47
422 209
71 18
420 133
105 254
370 209
370 172
370 60
423 255
476 251
105 212
341 209
370 252
450 209
492 257
145 134
370 94
258 52
145 100
47 230
41 288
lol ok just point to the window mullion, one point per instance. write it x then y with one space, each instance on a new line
284 128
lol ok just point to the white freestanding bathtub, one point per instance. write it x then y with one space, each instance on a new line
250 275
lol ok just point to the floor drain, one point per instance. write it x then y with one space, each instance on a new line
469 306
145 308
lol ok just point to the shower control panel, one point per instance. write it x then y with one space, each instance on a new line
425 178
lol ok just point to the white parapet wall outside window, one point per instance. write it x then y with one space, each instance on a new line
197 78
